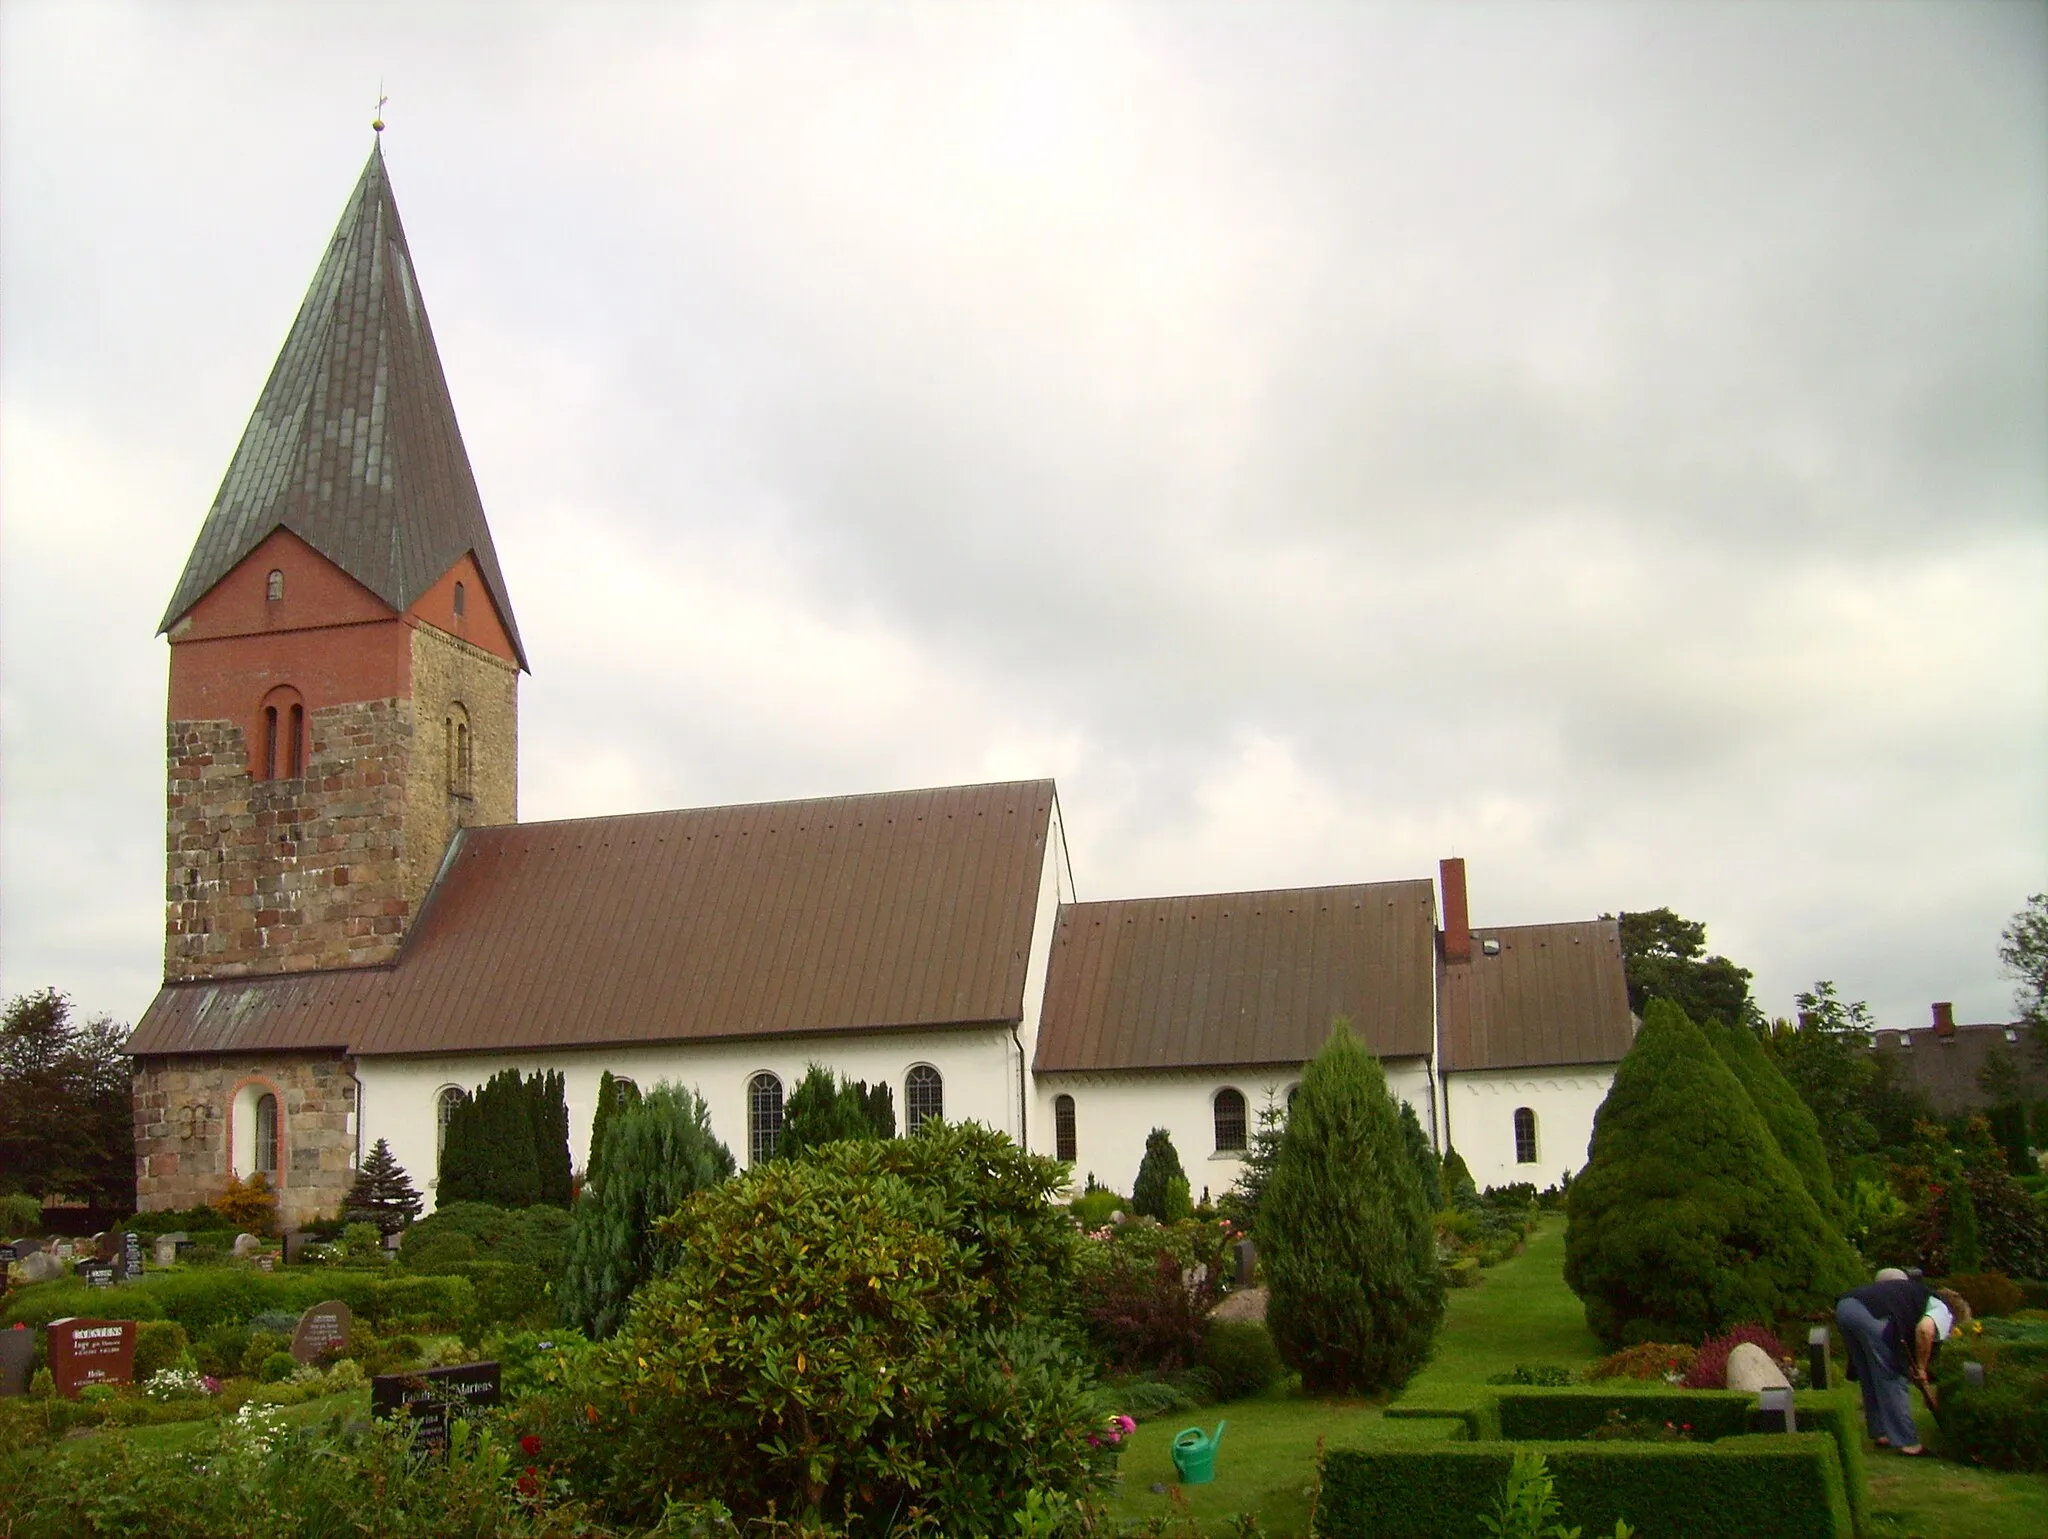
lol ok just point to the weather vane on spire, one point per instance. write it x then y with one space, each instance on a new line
377 122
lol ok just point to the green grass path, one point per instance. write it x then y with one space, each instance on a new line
1521 1312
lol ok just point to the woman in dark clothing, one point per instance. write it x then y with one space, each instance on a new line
1893 1330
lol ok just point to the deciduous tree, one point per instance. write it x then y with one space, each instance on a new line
67 1121
1664 956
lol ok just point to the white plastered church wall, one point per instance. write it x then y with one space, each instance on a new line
1480 1107
976 1066
1114 1111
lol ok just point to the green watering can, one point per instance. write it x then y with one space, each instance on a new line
1194 1454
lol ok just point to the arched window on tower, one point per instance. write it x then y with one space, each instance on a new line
1229 1110
273 589
295 742
924 1096
461 601
764 1117
461 752
1525 1136
280 747
1064 1145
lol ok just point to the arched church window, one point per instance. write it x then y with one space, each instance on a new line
924 1096
764 1117
445 1103
273 589
295 742
270 742
1525 1136
460 753
1229 1113
267 1139
461 601
281 750
1064 1144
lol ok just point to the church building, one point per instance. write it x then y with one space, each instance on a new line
359 931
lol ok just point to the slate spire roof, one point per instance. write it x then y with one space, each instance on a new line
353 445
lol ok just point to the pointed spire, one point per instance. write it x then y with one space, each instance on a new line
353 445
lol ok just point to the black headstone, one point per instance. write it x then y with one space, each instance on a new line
1247 1262
434 1397
23 1249
130 1268
17 1357
1817 1356
97 1274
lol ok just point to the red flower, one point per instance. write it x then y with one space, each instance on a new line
530 1444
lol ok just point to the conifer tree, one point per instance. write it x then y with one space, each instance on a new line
548 1100
657 1151
1688 1220
1152 1192
383 1193
1345 1235
489 1153
1790 1119
823 1109
1965 1238
880 1103
1427 1165
1460 1190
612 1095
1241 1203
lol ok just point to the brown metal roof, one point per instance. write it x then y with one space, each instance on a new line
912 908
353 445
1552 994
1239 978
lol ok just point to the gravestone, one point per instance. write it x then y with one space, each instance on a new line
17 1357
1973 1375
40 1266
66 1250
433 1398
295 1243
266 1260
166 1249
130 1268
106 1246
1774 1409
322 1332
1247 1262
86 1352
1750 1369
23 1249
247 1245
1817 1364
97 1274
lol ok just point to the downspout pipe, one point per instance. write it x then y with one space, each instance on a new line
1023 1088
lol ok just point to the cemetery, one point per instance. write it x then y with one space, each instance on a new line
874 1335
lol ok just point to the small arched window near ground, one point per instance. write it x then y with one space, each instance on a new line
461 601
1064 1144
1525 1136
764 1117
445 1103
1230 1130
267 1139
281 746
924 1096
273 589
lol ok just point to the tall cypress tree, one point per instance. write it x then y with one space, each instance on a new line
657 1151
489 1152
1154 1192
1790 1119
823 1109
1344 1232
880 1103
1427 1165
1688 1219
613 1095
550 1092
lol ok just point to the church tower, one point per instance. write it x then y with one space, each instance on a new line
345 665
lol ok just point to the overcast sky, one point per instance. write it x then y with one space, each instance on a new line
1607 442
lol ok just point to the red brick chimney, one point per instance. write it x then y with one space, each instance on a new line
1457 915
1944 1021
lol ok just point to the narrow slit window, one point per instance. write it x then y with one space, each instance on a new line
274 588
764 1117
461 601
270 742
1525 1136
1065 1146
295 748
1230 1130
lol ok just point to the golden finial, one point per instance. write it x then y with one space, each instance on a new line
377 122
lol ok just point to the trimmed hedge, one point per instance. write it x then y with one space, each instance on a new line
1506 1418
1788 1487
202 1299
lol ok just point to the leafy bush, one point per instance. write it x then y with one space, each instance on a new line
1154 1194
1646 1360
159 1344
249 1206
852 1339
537 1236
1988 1293
2003 1422
220 1351
1145 1290
1149 1399
263 1345
1709 1368
1688 1218
201 1300
1092 1209
20 1214
1344 1233
657 1151
277 1367
1543 1375
1241 1355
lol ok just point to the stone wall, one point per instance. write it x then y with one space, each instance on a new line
184 1132
453 680
267 876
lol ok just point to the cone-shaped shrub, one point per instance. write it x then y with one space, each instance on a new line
1153 1193
1459 1189
612 1095
1791 1120
383 1193
1427 1165
657 1151
825 1108
1688 1219
1344 1232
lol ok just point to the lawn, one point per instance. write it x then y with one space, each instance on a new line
1521 1313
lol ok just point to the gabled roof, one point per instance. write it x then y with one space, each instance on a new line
353 445
908 909
1239 978
1946 1066
1551 995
